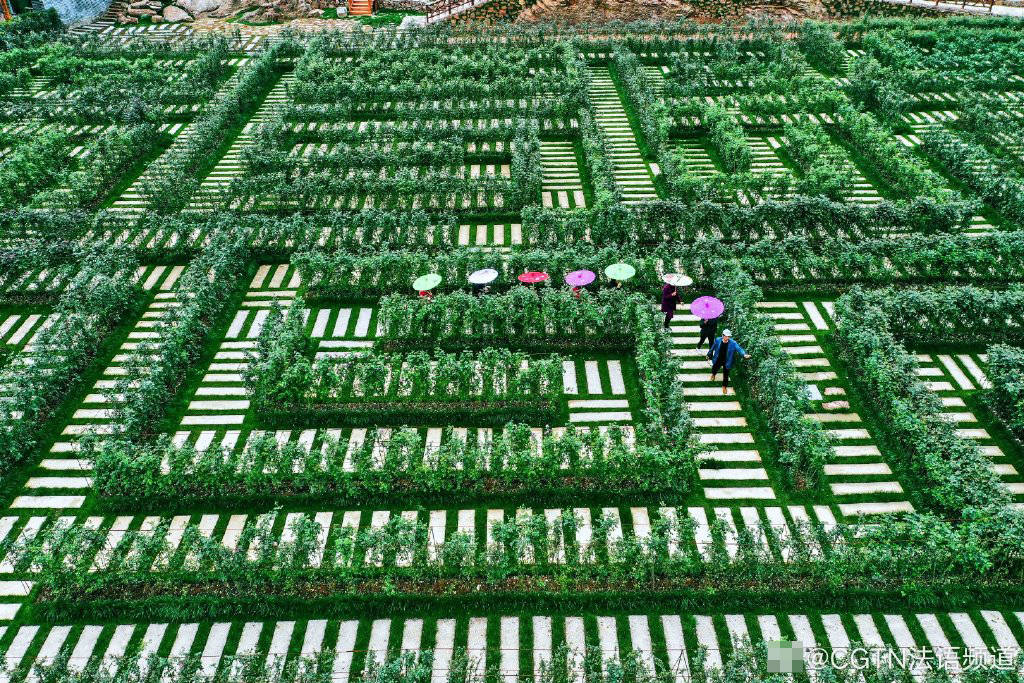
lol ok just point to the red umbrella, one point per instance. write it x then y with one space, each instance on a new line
533 277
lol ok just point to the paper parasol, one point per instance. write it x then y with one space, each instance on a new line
424 283
483 276
580 278
620 271
677 279
533 276
707 307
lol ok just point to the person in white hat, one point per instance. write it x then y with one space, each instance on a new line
722 354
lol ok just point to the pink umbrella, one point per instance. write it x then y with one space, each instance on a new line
533 277
707 307
580 278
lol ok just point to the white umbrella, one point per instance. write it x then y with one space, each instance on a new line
677 279
483 276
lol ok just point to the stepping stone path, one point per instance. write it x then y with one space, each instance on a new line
920 121
732 467
132 203
858 475
630 171
18 333
209 195
219 405
17 330
958 376
504 642
62 479
585 380
490 236
764 160
698 159
656 78
777 533
562 186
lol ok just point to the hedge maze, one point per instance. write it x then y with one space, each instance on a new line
237 444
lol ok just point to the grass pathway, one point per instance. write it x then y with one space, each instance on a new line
960 379
630 171
61 479
733 468
859 476
514 646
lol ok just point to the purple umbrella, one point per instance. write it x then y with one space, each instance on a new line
707 307
580 278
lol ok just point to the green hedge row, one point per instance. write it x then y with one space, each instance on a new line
1006 372
910 561
873 326
509 467
521 318
639 226
96 301
490 387
793 262
154 375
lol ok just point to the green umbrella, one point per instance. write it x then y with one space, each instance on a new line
425 283
620 271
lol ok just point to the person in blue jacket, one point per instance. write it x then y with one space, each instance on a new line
722 354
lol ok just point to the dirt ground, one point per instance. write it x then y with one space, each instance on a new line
591 11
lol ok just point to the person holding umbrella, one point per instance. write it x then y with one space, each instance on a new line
707 331
533 277
618 273
670 294
669 301
578 279
708 309
424 283
480 279
722 355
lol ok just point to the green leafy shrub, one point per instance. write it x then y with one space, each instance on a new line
394 465
96 300
956 474
1006 372
727 138
819 43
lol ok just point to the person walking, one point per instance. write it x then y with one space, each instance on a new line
669 301
707 332
722 354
